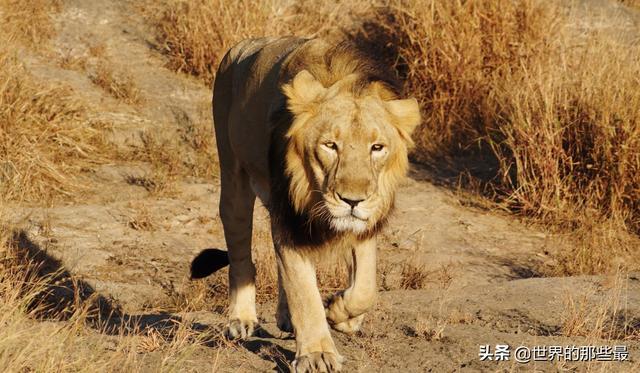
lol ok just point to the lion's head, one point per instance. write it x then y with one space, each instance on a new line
347 149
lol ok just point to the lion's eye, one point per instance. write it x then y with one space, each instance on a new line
331 145
377 147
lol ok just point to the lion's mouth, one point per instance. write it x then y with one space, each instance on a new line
341 212
349 223
358 215
345 218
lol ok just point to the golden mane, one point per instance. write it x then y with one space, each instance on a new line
312 69
330 63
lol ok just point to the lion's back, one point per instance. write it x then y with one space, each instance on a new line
246 90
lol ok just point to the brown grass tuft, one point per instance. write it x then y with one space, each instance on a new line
141 219
191 153
413 276
155 184
601 316
431 328
68 60
208 294
45 136
29 22
598 246
120 86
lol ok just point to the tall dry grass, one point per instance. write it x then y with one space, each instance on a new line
553 115
29 22
45 136
601 316
195 35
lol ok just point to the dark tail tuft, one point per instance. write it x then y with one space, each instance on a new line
208 262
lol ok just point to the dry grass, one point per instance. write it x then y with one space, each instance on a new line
508 81
120 86
459 316
430 328
603 316
413 276
45 136
29 22
598 246
191 152
201 158
157 184
190 32
209 294
69 60
140 218
431 325
97 50
51 320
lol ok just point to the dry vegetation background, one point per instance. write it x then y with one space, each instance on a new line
523 111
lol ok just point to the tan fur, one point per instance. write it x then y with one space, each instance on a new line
327 170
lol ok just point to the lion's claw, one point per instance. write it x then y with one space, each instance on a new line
241 329
350 326
318 362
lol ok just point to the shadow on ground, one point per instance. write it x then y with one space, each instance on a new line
65 295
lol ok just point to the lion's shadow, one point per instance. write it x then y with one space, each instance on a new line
271 352
64 295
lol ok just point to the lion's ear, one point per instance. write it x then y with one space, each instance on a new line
303 91
406 115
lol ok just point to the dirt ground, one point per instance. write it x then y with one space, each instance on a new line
479 279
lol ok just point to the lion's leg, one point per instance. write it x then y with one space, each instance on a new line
345 310
236 211
315 350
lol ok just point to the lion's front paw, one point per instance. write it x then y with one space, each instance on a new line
318 362
335 309
350 326
343 319
241 329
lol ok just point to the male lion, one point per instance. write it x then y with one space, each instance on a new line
318 133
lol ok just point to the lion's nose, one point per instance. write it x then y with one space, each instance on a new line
352 202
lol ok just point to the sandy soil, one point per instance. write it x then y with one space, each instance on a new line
482 283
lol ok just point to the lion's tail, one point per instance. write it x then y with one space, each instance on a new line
208 262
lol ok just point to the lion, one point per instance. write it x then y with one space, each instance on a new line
318 132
